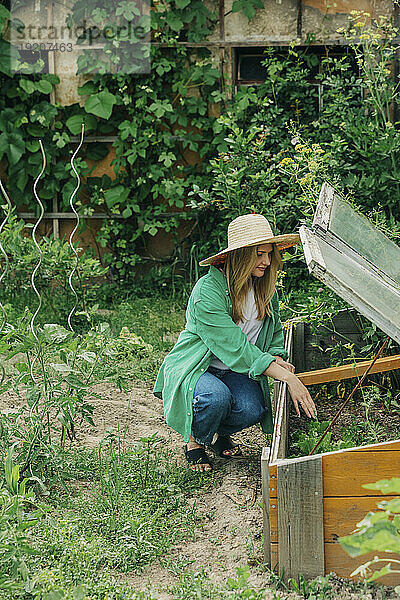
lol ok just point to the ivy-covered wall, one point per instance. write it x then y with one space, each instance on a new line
164 123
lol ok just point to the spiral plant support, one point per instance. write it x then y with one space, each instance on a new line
8 209
38 265
71 203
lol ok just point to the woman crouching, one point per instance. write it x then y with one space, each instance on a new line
214 381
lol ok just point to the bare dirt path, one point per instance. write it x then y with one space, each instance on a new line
231 533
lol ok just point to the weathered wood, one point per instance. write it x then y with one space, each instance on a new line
313 247
340 515
280 435
274 556
324 207
299 359
300 518
265 502
275 396
281 416
68 215
345 473
388 363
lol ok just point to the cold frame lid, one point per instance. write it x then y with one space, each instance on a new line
357 261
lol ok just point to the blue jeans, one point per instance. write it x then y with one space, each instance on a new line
225 402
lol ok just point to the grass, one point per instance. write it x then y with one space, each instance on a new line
119 508
156 322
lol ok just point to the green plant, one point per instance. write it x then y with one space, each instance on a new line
55 369
20 511
197 584
52 279
377 532
316 589
371 396
306 440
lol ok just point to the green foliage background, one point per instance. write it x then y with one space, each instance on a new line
160 116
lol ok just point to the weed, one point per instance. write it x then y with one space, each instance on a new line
19 512
315 589
196 585
306 440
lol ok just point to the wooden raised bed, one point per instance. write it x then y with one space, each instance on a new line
309 502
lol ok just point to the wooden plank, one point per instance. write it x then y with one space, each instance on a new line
275 557
388 363
71 215
272 480
345 473
340 515
265 502
299 347
280 435
324 207
337 561
300 523
312 245
275 396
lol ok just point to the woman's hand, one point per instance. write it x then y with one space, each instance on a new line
299 393
301 397
282 363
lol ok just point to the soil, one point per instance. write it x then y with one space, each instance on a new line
231 509
230 535
231 532
383 424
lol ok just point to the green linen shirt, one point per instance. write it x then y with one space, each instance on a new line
210 330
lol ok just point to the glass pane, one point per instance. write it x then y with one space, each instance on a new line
364 288
358 233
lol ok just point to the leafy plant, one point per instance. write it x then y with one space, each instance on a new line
316 589
306 440
20 512
54 370
52 279
377 532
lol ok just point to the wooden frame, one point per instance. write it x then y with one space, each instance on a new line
309 502
321 239
388 363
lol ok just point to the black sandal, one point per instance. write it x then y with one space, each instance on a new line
197 456
224 443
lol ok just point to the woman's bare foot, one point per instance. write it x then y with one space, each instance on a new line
225 447
202 466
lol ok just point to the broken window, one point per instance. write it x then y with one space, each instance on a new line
356 260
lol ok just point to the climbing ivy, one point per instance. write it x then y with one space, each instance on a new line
172 159
165 132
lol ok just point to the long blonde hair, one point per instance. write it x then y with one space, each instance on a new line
238 267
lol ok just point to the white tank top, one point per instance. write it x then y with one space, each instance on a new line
250 325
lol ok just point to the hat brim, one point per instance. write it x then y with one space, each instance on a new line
282 242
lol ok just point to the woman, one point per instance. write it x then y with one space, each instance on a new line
214 381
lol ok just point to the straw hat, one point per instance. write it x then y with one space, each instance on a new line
251 230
